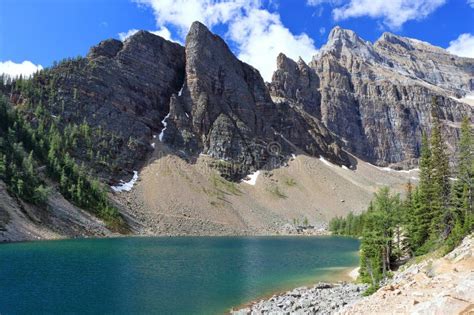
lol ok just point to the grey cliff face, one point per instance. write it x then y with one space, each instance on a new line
371 100
296 81
377 98
224 110
124 88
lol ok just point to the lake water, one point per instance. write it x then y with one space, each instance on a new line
162 275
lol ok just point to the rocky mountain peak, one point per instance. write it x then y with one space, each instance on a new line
200 35
344 42
422 61
400 43
302 63
285 63
106 48
339 33
377 97
371 100
392 39
141 35
225 111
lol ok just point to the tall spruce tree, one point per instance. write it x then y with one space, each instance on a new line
441 187
461 194
465 173
378 244
422 198
408 220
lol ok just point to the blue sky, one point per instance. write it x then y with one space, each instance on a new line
41 31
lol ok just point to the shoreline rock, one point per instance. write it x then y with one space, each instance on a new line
322 298
443 285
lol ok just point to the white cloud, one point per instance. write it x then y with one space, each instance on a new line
25 69
462 46
124 35
259 35
163 32
182 13
394 12
471 3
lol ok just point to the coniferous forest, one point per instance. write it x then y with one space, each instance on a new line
435 214
35 149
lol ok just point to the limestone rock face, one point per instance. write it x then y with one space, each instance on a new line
371 100
123 87
377 98
296 81
429 63
225 110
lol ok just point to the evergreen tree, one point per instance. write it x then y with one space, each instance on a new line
465 172
440 182
377 245
422 198
408 220
461 193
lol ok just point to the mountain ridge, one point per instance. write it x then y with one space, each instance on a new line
154 104
393 80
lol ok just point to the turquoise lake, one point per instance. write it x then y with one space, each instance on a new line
162 275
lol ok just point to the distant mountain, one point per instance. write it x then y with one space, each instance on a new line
378 98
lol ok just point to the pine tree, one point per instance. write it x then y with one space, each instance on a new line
371 250
465 173
461 193
377 244
407 227
422 198
441 187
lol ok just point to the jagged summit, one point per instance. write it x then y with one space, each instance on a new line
397 42
107 48
369 99
392 39
341 33
199 34
227 112
148 97
344 42
377 97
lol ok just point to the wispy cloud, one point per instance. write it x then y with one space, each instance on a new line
163 32
393 13
261 36
462 46
25 69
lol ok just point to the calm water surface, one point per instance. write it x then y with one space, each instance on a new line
159 275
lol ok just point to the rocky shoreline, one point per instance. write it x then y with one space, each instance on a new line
322 298
436 285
